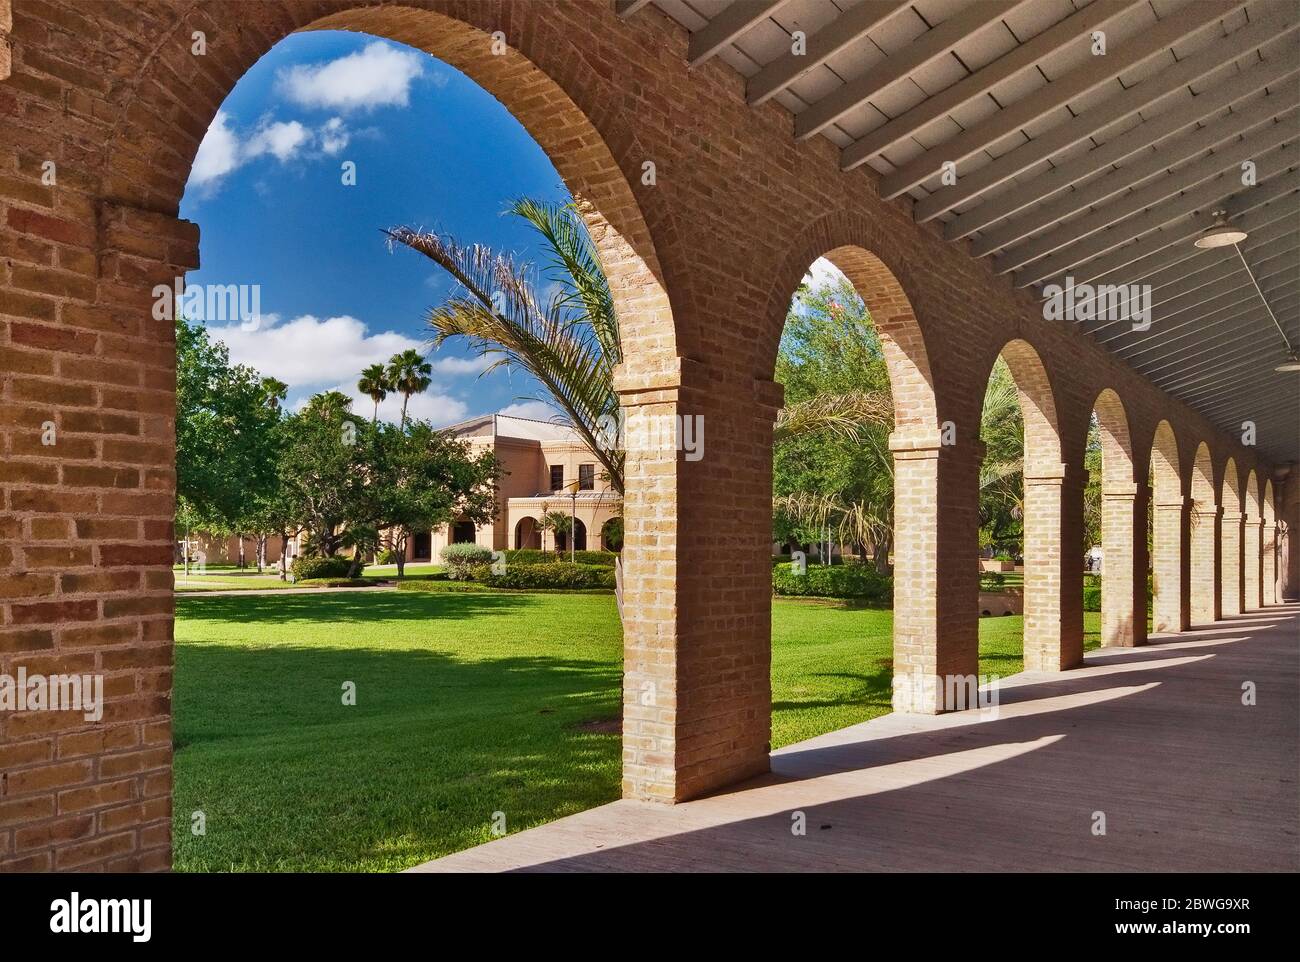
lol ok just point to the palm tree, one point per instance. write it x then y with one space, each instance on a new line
375 383
409 373
570 344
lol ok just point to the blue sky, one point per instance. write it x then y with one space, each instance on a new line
431 148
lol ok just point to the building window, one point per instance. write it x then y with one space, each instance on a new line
586 477
557 477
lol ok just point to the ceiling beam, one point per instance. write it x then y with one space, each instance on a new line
1169 223
728 27
1070 172
1166 347
1018 58
1259 224
843 31
1264 399
1268 137
1098 70
1080 127
1188 274
1152 162
1194 374
924 50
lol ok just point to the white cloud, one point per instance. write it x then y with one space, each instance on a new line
218 154
308 352
823 273
334 136
536 410
377 75
460 365
223 151
278 138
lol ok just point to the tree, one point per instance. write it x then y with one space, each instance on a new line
409 374
422 479
227 433
375 384
556 522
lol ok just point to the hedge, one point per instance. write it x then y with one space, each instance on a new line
836 581
557 574
310 569
533 556
462 559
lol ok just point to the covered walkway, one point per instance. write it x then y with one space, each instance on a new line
1156 738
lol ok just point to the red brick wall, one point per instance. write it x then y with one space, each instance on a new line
704 264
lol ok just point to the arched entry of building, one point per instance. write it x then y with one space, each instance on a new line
527 534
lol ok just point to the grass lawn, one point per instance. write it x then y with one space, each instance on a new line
230 577
467 705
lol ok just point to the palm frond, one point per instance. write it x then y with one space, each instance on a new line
842 414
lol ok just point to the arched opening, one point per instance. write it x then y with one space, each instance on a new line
611 535
579 537
1022 480
586 164
527 534
1272 593
1170 528
856 509
1117 549
1205 572
1252 556
1231 538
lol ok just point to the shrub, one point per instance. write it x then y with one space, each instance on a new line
461 559
558 574
308 569
387 557
992 581
532 556
840 581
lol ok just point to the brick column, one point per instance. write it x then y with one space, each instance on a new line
89 509
1268 579
1252 554
1053 599
1206 575
936 568
1124 570
1171 566
697 582
1230 540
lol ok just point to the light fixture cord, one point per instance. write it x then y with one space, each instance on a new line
1251 274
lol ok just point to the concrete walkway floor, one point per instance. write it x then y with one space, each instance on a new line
1156 739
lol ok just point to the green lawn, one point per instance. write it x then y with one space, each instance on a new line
230 577
467 705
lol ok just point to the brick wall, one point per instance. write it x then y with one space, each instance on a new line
703 262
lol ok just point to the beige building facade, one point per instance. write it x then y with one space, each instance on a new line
545 467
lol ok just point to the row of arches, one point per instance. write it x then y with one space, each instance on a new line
1188 539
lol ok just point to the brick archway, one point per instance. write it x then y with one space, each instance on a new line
1231 541
935 631
1123 503
1252 551
1053 632
1205 573
1171 609
112 607
1271 544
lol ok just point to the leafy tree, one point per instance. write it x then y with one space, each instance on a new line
421 479
227 433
